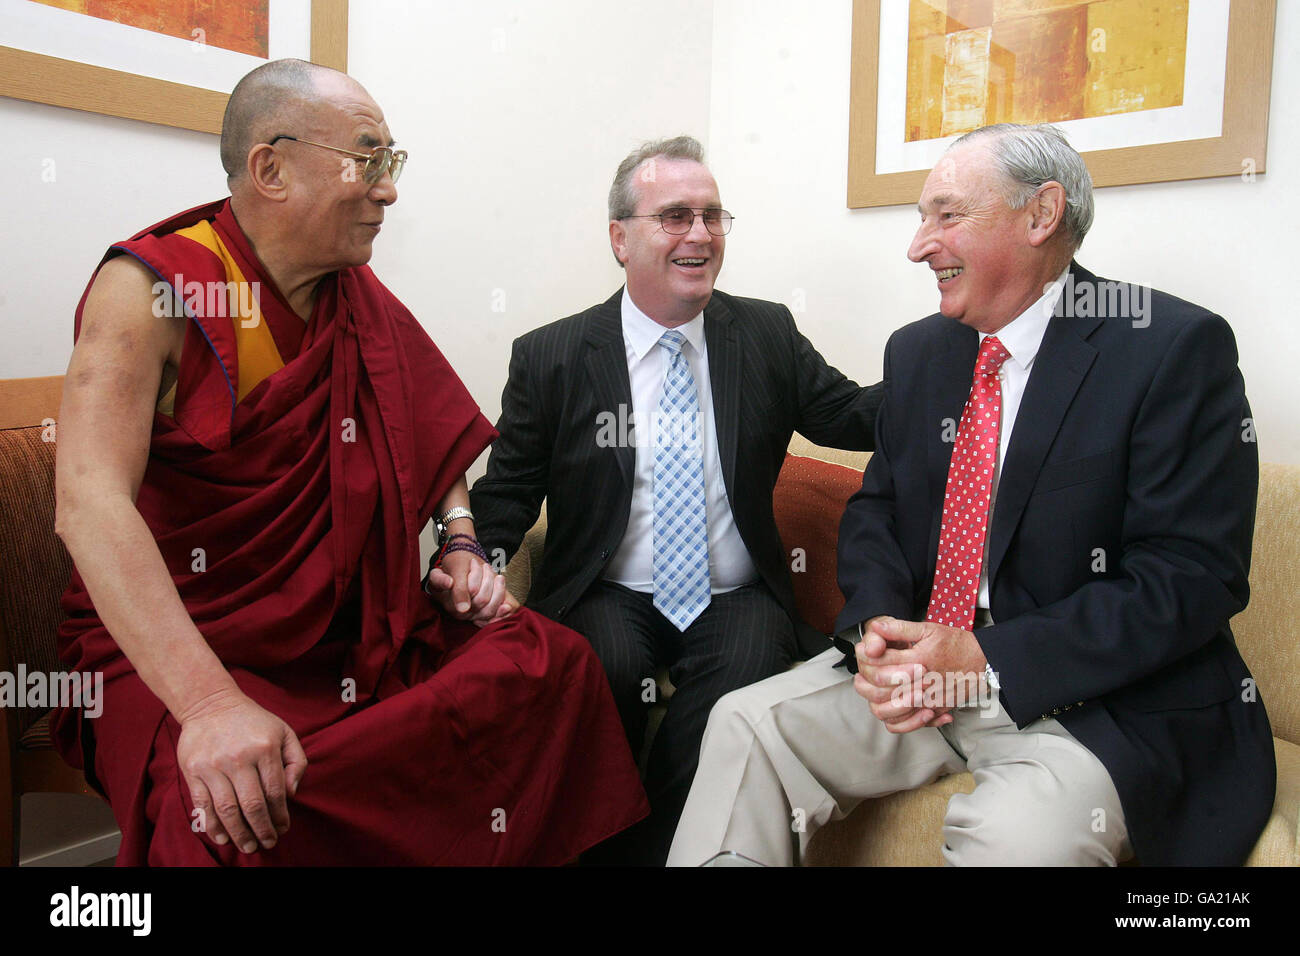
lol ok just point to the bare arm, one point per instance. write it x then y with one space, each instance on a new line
233 753
104 425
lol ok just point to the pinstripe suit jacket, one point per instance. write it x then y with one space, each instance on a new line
768 381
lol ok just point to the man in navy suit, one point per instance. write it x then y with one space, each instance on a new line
1050 539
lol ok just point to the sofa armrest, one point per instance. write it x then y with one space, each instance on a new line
519 572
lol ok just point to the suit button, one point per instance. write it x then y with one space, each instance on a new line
1055 711
563 608
604 554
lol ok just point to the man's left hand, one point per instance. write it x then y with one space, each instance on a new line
469 589
900 663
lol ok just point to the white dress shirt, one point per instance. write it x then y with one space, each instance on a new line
631 565
1021 337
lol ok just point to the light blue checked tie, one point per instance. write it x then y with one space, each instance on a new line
681 531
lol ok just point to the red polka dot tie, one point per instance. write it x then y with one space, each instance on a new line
967 495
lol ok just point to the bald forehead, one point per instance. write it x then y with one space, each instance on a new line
342 102
273 90
339 88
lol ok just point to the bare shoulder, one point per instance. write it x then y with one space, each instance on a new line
119 315
110 392
124 356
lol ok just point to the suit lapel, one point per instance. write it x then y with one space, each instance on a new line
1060 367
725 369
607 367
950 374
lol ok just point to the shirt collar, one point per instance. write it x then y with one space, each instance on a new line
642 333
1023 335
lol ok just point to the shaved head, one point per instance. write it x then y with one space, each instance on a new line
264 102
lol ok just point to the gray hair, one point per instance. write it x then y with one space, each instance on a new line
623 194
1032 155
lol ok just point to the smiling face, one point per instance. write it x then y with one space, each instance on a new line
670 278
335 211
987 259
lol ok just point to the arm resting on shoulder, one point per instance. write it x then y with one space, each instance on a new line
834 410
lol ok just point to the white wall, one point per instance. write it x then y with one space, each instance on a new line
516 113
73 184
779 148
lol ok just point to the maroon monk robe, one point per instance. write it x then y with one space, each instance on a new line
429 741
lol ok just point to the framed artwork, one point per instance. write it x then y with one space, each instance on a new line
1147 90
171 62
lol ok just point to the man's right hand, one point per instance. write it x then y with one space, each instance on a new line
889 695
241 763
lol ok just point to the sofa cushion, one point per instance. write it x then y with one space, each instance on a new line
1279 844
902 829
37 736
36 566
808 502
1264 631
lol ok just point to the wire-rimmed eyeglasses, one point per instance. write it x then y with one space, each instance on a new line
377 161
679 220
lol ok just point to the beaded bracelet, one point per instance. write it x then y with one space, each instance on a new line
460 542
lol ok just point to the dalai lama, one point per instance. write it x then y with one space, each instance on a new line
241 482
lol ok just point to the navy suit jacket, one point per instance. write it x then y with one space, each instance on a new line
767 381
1119 548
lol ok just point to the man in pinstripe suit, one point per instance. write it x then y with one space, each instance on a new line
583 419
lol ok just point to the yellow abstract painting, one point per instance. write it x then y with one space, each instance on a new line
975 62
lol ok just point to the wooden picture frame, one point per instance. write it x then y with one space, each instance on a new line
1239 148
80 86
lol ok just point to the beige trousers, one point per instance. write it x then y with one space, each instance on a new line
782 757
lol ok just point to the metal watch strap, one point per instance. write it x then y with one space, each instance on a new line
451 514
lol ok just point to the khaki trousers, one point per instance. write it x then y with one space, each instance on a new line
782 757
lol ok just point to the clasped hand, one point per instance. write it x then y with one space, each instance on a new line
469 589
901 664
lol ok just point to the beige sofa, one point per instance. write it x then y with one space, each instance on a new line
905 829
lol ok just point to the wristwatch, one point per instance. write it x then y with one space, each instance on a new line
447 517
991 677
